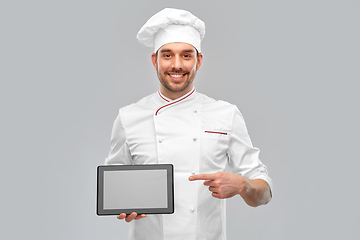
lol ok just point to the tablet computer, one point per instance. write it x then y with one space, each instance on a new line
145 189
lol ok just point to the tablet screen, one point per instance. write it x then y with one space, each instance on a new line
135 188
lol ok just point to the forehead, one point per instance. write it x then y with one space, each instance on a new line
177 47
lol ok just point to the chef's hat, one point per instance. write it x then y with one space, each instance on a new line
172 25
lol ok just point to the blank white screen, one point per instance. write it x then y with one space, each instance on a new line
135 189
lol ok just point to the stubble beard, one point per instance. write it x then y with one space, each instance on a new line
178 87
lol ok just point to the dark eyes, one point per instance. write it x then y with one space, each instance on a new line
185 55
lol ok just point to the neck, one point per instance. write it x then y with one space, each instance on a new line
174 95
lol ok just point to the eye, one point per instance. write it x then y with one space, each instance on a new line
167 55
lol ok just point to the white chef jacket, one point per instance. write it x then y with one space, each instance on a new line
197 134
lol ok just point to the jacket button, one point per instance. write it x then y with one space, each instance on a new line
195 111
160 140
191 209
194 139
193 172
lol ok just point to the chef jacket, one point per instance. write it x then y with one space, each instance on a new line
196 134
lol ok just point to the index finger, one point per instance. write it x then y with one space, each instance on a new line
202 177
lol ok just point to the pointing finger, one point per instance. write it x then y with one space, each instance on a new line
201 177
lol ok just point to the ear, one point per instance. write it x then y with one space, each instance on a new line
153 60
199 61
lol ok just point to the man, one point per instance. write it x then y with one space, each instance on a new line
200 136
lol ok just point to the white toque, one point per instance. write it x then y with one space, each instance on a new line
172 25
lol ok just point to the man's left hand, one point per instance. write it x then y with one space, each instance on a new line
224 184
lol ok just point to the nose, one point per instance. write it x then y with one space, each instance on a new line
177 63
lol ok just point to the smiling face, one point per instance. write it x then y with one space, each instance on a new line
176 65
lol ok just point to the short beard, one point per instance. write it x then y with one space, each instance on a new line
168 87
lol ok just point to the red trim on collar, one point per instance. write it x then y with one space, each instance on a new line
174 102
162 96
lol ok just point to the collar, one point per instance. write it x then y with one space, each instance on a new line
172 102
163 97
168 100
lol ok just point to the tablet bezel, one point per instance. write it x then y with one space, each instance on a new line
100 189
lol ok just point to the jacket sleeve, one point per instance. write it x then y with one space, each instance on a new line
243 157
119 149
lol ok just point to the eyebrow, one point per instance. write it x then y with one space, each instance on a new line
169 50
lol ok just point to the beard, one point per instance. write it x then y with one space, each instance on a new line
176 87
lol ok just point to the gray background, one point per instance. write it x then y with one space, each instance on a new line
292 67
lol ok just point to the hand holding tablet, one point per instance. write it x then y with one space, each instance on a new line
132 216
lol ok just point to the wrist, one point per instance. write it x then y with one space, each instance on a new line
245 186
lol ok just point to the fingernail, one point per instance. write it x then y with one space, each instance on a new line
191 178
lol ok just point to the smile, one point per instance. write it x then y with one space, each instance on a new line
177 75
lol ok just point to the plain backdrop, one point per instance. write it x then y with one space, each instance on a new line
292 68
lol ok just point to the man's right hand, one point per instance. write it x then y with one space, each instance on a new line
132 216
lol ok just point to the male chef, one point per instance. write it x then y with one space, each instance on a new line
206 140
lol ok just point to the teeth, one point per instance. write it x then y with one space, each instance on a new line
177 76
